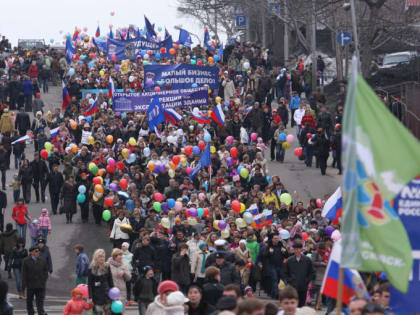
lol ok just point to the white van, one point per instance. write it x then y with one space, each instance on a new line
392 60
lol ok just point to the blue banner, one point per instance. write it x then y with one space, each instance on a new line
140 101
131 48
407 205
97 91
182 76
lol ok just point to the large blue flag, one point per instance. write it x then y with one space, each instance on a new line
206 38
185 38
220 53
167 35
204 161
155 114
150 30
70 51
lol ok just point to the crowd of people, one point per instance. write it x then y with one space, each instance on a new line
182 244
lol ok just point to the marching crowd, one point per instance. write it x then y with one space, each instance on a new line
182 244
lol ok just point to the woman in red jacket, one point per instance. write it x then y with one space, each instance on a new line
33 71
21 216
308 118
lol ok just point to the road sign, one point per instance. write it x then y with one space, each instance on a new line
344 38
240 20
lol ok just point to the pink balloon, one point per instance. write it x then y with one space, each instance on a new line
201 196
290 138
230 139
111 162
178 206
319 203
84 289
189 170
336 236
254 136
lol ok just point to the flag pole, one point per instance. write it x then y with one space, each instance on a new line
340 291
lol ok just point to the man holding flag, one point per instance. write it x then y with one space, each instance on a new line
204 161
374 238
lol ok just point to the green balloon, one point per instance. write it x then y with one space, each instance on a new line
106 215
157 206
286 198
81 198
244 172
94 170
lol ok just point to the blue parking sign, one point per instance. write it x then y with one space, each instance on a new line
240 20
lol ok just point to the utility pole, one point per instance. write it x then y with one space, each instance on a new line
355 35
263 29
313 48
286 35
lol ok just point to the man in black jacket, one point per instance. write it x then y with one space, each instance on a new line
299 272
34 279
40 172
3 165
228 272
55 180
3 205
22 122
144 255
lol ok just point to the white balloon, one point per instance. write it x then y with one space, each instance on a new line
146 152
246 65
131 78
248 217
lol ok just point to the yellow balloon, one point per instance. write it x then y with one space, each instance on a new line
183 161
212 149
125 153
171 173
165 223
91 140
216 224
286 145
91 164
225 233
102 73
242 207
218 99
132 141
192 221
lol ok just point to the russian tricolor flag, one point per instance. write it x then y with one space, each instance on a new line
111 87
66 97
75 34
172 116
53 133
353 284
218 115
263 219
98 32
22 139
200 118
92 109
333 208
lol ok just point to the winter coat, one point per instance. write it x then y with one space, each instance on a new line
294 102
203 308
128 260
44 221
146 256
228 273
298 115
180 269
8 241
19 214
16 259
256 118
212 291
45 252
69 195
322 145
55 181
39 170
197 263
34 273
299 273
25 175
82 266
116 232
157 308
145 289
119 281
76 307
27 87
99 283
22 122
229 89
6 123
319 267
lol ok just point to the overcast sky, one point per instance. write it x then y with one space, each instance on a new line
45 18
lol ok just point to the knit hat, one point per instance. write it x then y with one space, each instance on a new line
125 244
166 286
202 244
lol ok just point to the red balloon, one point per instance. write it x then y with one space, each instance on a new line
75 56
176 159
123 183
120 165
200 63
92 55
163 50
44 153
319 203
188 149
308 136
187 214
234 152
109 201
249 265
158 197
97 181
201 145
298 152
205 212
305 236
110 169
236 206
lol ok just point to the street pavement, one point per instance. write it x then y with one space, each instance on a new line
306 182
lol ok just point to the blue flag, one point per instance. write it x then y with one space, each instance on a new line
220 53
111 35
185 38
155 114
206 38
70 51
204 161
150 30
167 34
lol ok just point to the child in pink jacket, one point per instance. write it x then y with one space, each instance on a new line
76 305
44 224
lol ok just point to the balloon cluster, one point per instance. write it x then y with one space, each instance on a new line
117 306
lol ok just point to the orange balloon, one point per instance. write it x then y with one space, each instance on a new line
109 138
99 189
101 172
210 60
172 51
74 148
172 165
73 125
151 166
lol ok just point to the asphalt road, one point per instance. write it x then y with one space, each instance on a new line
306 182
